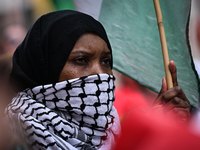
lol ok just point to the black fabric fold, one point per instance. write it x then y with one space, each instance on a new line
39 59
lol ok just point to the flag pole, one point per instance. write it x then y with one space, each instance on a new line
163 43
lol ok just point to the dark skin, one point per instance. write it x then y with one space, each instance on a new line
173 100
91 55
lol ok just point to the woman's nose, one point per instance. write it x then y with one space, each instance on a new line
97 69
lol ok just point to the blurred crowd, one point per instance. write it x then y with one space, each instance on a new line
16 16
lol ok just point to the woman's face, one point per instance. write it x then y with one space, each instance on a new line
89 56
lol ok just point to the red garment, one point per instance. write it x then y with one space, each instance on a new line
129 97
142 131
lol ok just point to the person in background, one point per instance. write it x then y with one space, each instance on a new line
6 94
11 36
8 141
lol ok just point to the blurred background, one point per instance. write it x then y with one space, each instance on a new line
17 16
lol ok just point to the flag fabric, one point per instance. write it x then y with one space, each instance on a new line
132 28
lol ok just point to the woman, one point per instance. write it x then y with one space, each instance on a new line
63 73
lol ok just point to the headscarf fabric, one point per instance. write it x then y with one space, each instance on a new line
40 58
71 115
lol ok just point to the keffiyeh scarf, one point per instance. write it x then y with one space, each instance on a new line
69 115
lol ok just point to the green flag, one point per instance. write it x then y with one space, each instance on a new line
64 4
133 32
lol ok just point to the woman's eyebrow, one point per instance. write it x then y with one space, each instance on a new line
106 53
81 52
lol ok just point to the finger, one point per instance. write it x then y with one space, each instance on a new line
172 68
159 101
177 102
163 88
180 109
174 92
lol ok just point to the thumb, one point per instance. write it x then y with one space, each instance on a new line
163 88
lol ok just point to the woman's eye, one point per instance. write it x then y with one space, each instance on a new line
80 60
106 61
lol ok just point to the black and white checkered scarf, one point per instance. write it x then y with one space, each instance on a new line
73 114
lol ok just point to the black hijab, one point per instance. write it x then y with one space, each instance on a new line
40 58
